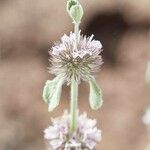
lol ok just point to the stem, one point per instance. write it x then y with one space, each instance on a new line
74 87
74 104
76 31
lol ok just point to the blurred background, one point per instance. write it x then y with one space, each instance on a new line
28 29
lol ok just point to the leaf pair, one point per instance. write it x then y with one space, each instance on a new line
52 92
53 88
95 97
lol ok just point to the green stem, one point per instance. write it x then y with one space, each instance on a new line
76 31
74 105
74 88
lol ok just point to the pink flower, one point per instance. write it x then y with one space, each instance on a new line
86 135
81 62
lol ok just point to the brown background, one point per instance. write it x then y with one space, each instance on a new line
27 30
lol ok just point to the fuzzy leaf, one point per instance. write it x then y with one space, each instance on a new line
147 75
76 13
70 3
52 92
95 97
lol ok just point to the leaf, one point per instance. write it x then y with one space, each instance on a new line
76 13
52 92
71 3
95 97
147 74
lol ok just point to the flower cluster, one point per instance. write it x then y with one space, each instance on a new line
85 136
79 62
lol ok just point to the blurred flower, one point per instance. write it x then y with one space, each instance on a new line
147 74
85 136
146 117
81 62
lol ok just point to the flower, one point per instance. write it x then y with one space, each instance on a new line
146 117
79 62
85 136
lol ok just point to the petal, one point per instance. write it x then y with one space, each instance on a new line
90 144
56 143
51 133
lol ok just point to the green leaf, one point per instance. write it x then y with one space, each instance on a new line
95 97
70 3
76 13
52 92
147 74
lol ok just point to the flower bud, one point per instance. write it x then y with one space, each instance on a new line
75 10
71 3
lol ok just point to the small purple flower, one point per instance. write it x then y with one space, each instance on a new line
81 62
85 136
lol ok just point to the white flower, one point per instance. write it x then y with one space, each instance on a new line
146 117
92 136
54 133
85 136
81 62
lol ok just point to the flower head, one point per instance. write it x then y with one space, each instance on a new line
81 62
84 137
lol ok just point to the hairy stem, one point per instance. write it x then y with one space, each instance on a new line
74 105
76 31
74 88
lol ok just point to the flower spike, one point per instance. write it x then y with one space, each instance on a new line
74 58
